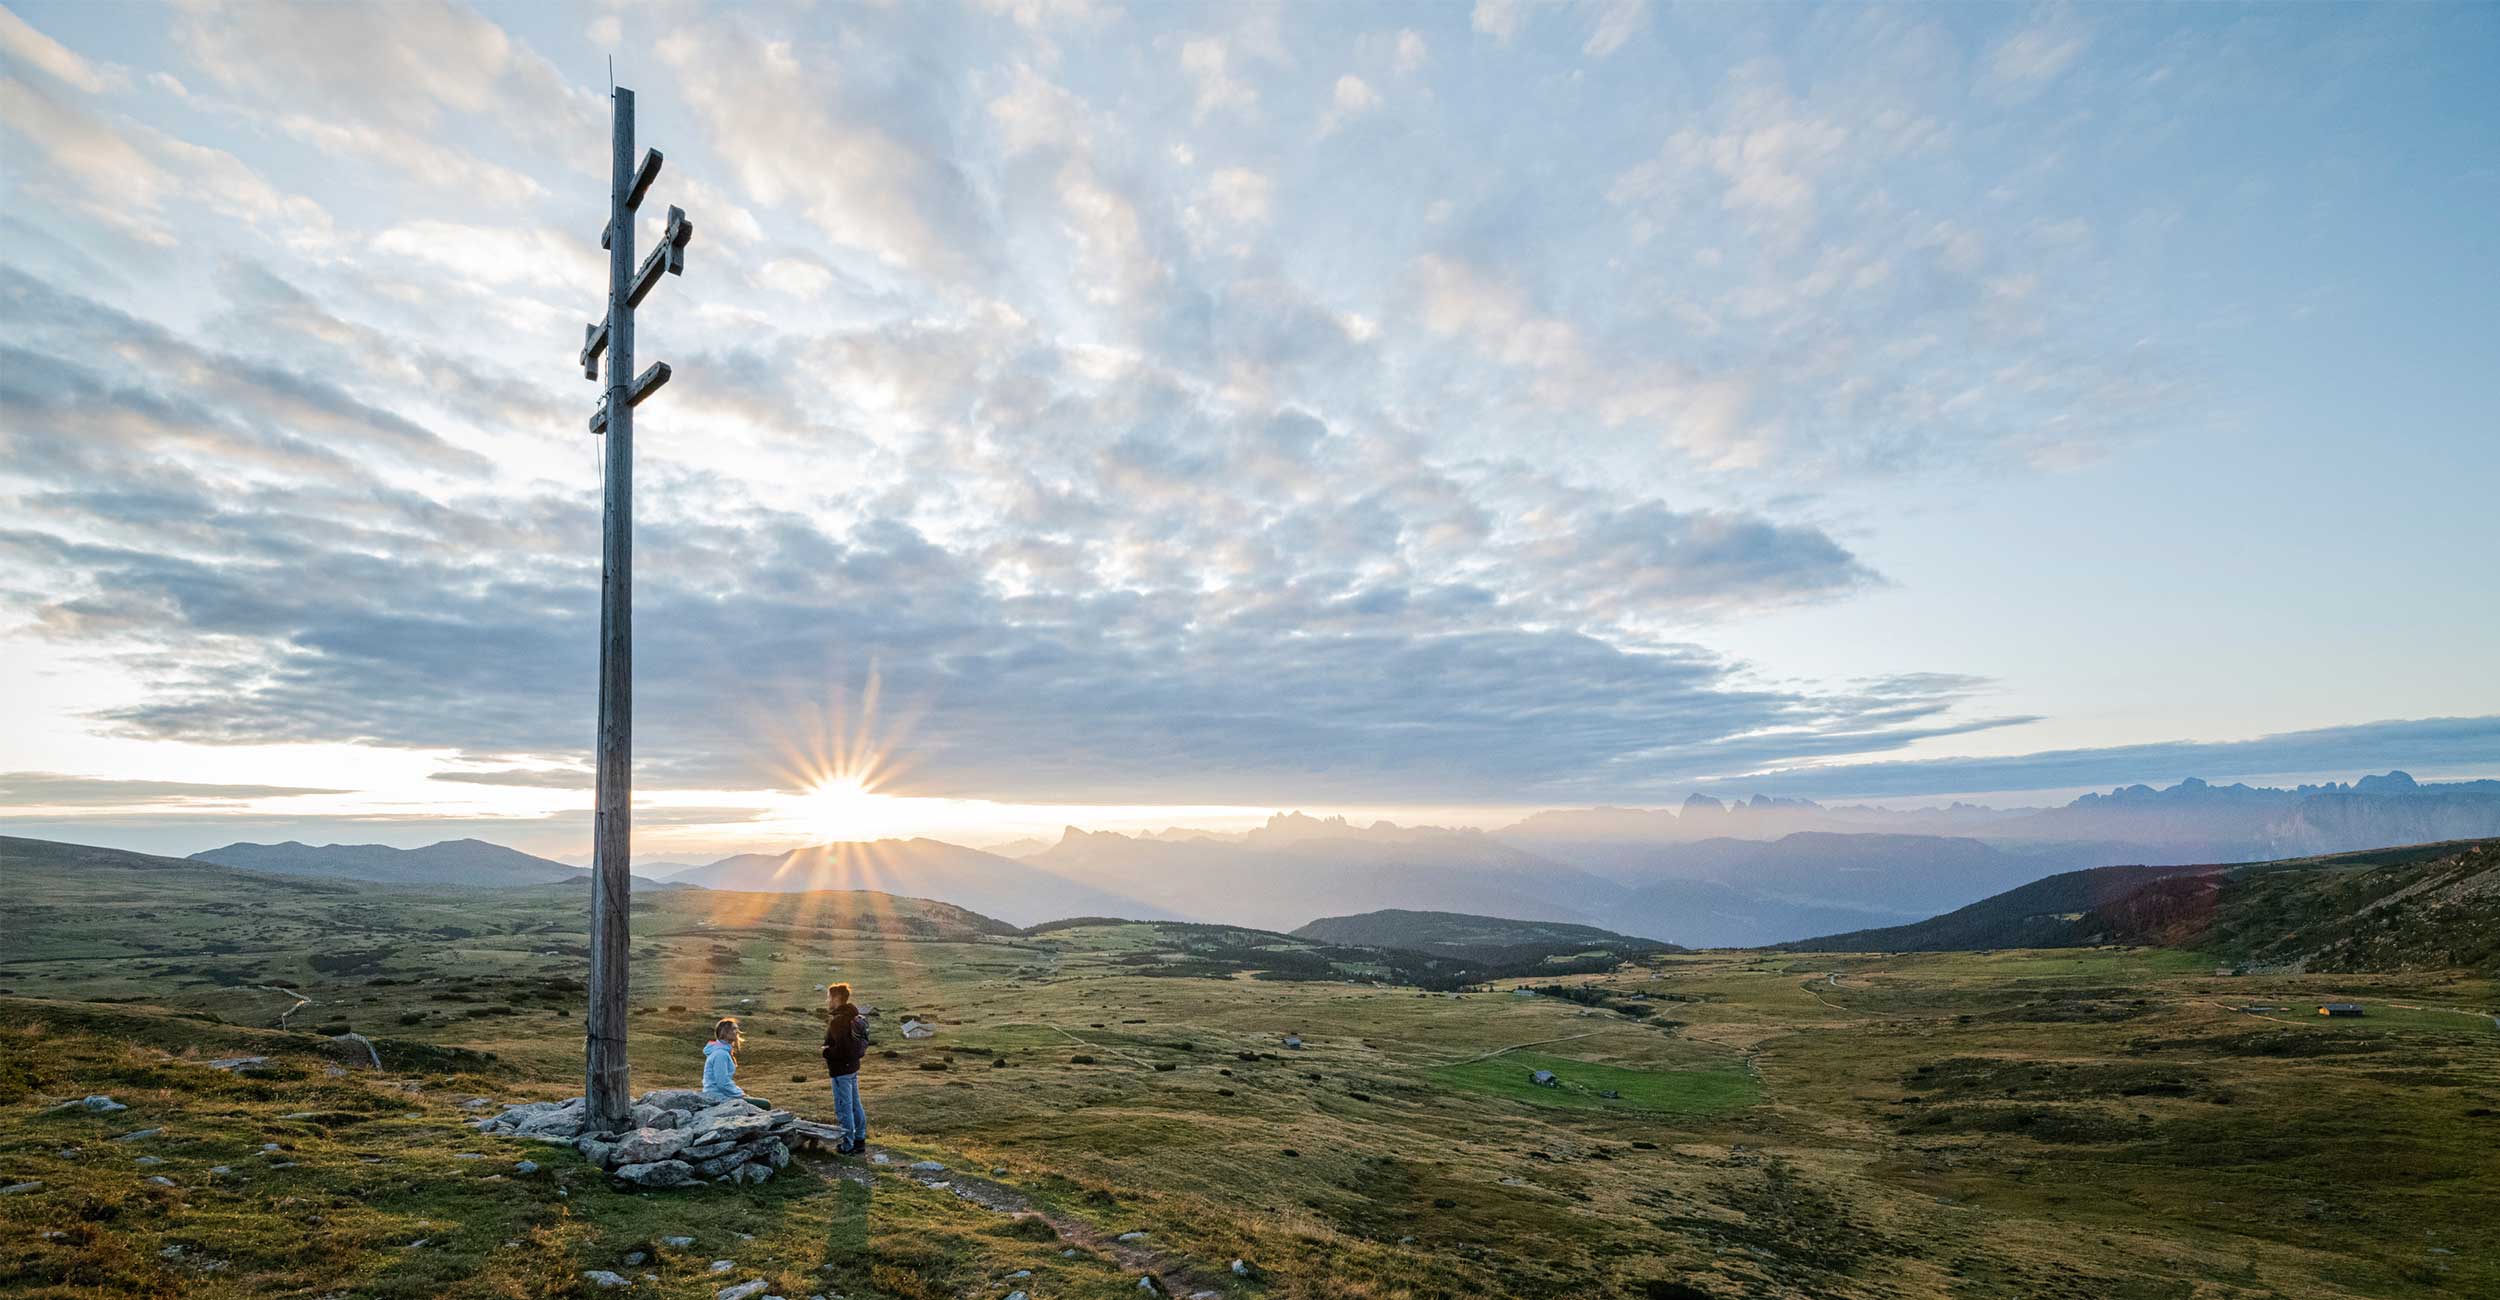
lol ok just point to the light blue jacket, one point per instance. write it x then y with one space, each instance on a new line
720 1071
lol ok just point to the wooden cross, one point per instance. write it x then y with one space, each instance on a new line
607 1077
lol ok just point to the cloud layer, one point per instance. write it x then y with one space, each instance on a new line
1186 404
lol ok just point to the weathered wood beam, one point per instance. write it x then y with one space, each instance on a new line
653 378
649 381
643 176
594 342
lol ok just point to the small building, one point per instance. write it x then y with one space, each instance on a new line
2339 1008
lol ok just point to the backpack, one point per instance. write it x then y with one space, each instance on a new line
859 1030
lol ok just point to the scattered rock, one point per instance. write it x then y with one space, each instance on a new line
1545 1079
1147 1284
145 1161
917 1029
238 1064
1131 1236
930 1166
722 1266
219 1171
98 1103
634 1257
1241 1269
161 1180
740 1291
526 1167
1293 1042
676 1243
139 1135
605 1280
22 1189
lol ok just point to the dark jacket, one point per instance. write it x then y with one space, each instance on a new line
844 1044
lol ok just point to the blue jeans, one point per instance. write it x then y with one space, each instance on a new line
846 1111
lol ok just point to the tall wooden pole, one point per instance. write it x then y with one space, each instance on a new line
609 1082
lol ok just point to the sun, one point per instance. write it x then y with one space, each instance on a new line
845 808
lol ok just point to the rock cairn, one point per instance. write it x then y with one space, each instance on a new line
680 1137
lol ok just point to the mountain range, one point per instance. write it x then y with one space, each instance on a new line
1708 874
1019 892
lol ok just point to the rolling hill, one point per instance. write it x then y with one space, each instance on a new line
1477 938
2060 911
451 862
2424 906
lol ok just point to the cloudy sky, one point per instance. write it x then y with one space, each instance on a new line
1164 413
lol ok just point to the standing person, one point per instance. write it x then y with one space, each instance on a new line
720 1064
846 1041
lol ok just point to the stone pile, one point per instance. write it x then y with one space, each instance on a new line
680 1137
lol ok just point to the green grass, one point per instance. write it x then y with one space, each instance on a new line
1584 1083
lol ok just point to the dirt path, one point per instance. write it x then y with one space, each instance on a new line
1501 1051
2260 1015
301 1001
1174 1274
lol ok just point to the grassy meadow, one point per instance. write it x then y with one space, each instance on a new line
2076 1123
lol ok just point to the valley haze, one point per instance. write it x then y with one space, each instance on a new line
1706 874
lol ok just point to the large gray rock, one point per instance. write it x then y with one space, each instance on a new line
725 1162
538 1119
560 1125
603 1279
648 1146
647 1115
753 1173
684 1101
740 1291
713 1126
664 1173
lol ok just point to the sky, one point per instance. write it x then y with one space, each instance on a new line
1162 414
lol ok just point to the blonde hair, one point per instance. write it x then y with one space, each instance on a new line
837 994
727 1032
